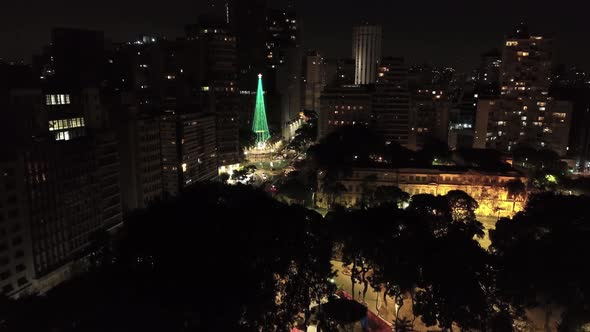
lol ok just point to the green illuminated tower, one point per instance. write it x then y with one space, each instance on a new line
260 125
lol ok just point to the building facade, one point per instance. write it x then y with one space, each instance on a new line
16 265
188 150
314 80
344 106
219 90
390 116
488 189
429 117
141 163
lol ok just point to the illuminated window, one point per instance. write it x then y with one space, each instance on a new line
205 88
511 43
61 99
559 115
55 125
521 53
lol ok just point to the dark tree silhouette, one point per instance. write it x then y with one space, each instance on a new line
218 258
390 195
539 255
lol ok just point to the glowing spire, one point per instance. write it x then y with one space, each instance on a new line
260 125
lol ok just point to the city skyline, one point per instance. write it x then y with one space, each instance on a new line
422 33
283 165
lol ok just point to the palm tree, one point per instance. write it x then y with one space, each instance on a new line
516 191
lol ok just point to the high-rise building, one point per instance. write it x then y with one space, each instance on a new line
66 169
573 83
366 51
284 69
283 33
108 172
290 89
487 79
248 23
16 266
141 163
524 113
188 150
462 120
219 87
348 105
77 57
429 117
65 204
526 64
339 71
314 80
390 116
156 74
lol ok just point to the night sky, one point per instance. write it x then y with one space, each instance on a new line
450 32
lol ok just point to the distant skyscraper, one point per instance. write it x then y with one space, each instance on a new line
366 50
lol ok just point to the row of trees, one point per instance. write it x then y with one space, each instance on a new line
429 252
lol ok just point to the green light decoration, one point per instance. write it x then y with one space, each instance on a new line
260 125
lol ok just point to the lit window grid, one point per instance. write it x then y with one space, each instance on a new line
63 124
59 99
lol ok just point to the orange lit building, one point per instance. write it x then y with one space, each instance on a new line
488 188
